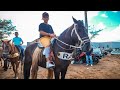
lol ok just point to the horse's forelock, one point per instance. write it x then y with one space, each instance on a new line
10 45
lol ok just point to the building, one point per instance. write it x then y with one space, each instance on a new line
106 44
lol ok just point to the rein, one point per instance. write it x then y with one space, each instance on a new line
72 46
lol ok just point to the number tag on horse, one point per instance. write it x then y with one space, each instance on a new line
65 56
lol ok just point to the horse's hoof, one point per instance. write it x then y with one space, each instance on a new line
16 77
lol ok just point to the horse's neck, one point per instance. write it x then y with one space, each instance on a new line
66 37
14 49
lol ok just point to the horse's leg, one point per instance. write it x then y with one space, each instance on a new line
50 74
5 65
22 62
57 73
34 71
1 61
26 69
13 65
21 67
10 66
16 70
34 68
63 73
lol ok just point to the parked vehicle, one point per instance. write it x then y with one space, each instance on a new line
116 51
82 58
97 52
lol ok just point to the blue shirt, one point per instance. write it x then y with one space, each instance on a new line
89 52
17 40
46 28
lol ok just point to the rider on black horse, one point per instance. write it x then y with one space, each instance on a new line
46 29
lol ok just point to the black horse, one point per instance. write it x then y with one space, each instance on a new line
64 47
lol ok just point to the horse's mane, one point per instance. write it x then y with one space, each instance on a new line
13 48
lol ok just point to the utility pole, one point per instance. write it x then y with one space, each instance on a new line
86 21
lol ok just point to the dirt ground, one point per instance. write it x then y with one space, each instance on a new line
107 68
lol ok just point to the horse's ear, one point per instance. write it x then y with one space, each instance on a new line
75 21
9 41
2 41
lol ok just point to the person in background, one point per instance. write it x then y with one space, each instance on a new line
89 57
17 41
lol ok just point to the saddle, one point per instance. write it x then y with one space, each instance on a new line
19 50
45 41
42 43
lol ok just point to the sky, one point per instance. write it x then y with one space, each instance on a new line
27 23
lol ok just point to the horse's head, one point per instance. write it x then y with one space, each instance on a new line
79 35
6 47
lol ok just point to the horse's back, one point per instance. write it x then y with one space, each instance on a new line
33 52
29 51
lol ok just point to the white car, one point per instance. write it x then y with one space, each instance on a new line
116 51
97 51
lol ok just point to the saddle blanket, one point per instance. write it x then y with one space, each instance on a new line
14 55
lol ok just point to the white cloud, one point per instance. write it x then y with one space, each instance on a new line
105 36
104 15
92 14
115 11
100 26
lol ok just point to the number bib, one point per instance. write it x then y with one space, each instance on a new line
65 56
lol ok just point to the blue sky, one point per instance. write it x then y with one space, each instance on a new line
109 21
27 23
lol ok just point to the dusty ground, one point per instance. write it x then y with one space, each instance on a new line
107 68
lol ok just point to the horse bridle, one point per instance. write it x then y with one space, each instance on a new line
4 51
81 40
9 51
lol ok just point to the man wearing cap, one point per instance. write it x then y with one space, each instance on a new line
46 29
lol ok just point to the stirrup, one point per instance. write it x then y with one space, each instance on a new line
52 62
49 65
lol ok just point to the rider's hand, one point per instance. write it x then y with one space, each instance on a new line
52 35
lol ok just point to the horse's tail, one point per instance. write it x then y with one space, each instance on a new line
27 65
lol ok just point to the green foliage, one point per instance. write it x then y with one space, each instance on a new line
6 28
94 32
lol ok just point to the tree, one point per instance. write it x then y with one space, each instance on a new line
94 32
6 28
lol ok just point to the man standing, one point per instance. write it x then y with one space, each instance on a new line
89 57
